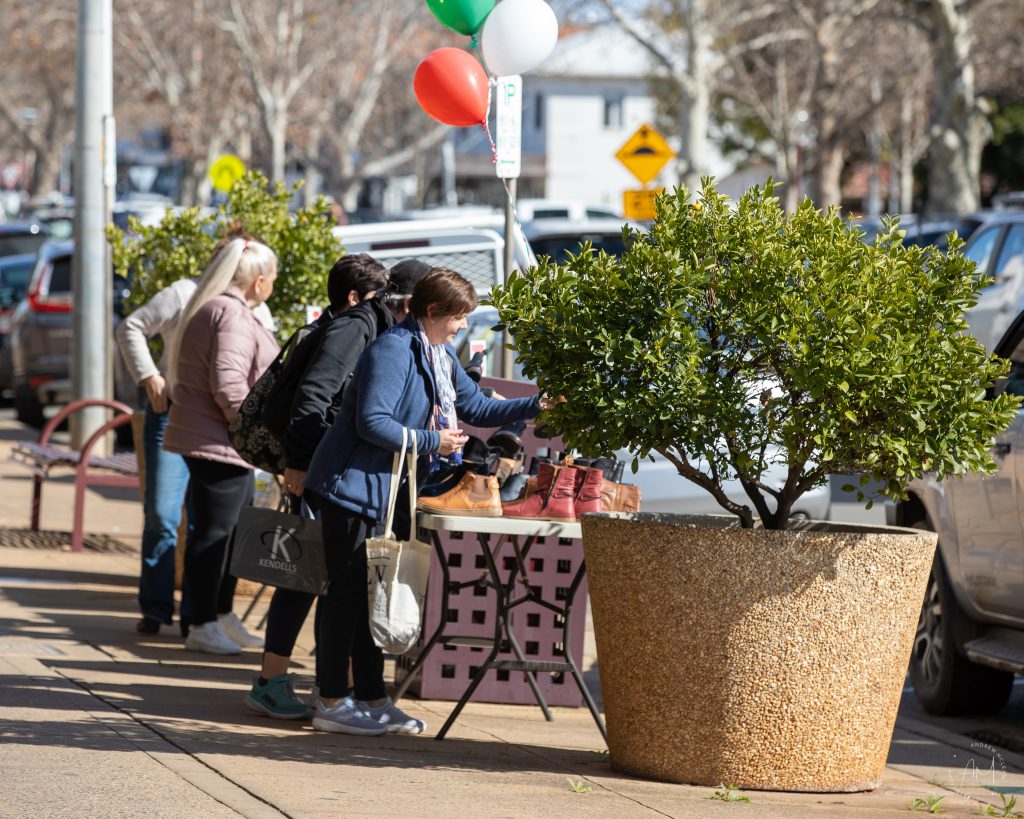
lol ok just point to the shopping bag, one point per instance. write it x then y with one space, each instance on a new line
397 570
279 549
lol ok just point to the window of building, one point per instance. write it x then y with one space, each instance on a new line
613 111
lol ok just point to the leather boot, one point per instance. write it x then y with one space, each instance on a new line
587 497
473 496
619 497
554 497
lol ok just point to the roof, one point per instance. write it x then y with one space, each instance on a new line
603 51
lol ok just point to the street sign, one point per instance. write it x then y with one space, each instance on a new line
509 126
645 153
639 204
226 171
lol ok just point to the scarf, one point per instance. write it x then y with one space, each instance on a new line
443 415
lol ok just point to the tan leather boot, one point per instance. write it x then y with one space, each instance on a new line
619 497
473 496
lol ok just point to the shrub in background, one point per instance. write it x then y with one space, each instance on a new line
152 257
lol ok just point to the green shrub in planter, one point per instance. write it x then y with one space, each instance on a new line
729 335
180 245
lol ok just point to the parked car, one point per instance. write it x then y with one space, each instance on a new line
530 210
970 638
931 232
15 272
18 238
558 238
997 248
41 337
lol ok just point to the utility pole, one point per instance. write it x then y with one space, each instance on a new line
90 271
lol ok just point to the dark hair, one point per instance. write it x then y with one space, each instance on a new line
360 272
445 290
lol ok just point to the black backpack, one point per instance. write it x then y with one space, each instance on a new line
257 431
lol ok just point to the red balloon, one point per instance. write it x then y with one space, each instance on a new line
451 86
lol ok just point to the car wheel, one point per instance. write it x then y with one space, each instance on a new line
28 408
946 682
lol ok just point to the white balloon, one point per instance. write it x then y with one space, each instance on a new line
518 35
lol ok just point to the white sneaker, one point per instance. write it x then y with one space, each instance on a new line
211 639
235 629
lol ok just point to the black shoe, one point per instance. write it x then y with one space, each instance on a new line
184 625
147 625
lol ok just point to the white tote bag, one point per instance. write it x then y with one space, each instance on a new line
397 570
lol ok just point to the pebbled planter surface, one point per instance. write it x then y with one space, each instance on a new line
768 660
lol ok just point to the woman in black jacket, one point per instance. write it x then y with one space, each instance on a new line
357 315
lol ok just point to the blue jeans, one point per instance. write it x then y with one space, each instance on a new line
166 482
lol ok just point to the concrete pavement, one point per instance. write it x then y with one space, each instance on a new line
97 721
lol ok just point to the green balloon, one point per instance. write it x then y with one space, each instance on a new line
463 16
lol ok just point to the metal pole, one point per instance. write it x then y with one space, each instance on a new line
90 275
509 266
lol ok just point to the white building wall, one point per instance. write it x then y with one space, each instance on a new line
579 146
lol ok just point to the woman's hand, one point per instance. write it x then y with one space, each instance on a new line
293 479
452 440
156 391
547 403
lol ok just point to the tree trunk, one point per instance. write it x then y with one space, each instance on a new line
695 105
276 133
827 175
46 170
959 127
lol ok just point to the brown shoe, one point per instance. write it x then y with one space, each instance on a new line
619 497
473 496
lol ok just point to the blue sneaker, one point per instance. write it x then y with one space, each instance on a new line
277 699
393 720
346 718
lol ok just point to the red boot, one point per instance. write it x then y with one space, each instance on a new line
554 499
588 490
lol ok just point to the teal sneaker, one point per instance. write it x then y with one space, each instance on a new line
277 699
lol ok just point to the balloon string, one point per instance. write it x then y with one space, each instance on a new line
484 124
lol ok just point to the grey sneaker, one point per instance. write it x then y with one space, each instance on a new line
393 720
346 718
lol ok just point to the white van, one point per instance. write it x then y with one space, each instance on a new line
473 245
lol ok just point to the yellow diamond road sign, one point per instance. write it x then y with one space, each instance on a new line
639 204
645 153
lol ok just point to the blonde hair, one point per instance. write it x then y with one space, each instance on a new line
238 262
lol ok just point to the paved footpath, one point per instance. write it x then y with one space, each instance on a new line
97 721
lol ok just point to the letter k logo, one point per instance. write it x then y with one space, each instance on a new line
278 549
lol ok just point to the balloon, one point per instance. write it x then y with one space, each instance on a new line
452 87
463 16
518 36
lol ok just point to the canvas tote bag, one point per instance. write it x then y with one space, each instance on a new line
397 570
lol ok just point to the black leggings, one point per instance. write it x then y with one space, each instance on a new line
218 491
344 630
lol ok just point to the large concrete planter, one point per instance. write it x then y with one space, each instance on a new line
767 660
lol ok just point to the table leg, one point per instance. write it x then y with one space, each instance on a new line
436 636
566 630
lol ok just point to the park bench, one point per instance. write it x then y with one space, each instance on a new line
42 456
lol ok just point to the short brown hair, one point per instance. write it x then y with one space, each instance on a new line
449 293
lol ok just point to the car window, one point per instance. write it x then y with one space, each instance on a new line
16 276
551 213
981 248
601 213
1014 383
60 276
15 244
559 247
1011 255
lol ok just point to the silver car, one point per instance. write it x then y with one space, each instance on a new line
970 638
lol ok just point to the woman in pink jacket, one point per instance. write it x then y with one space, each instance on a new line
219 352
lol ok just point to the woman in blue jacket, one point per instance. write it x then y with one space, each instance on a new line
408 378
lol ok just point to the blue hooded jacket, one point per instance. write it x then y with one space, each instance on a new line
393 386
